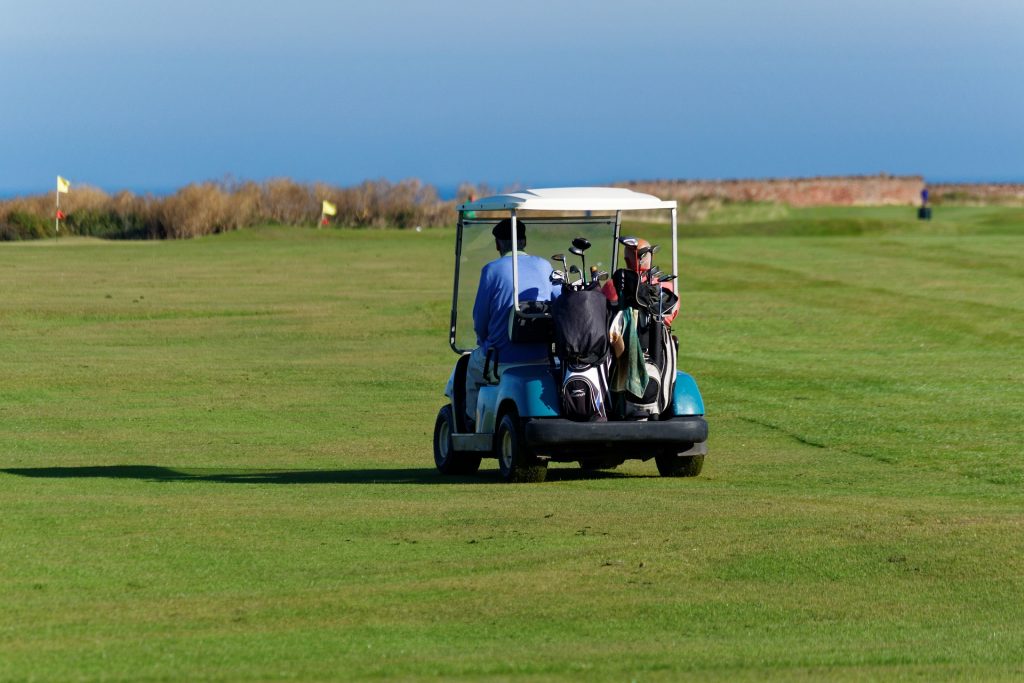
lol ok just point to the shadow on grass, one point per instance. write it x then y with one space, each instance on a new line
420 475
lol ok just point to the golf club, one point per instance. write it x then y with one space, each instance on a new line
579 252
561 259
644 252
573 270
582 244
661 293
663 279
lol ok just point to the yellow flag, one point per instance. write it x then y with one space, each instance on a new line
330 209
63 185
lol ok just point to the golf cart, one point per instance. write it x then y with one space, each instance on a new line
523 416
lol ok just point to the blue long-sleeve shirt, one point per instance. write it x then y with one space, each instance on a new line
495 299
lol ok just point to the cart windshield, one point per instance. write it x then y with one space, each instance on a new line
545 236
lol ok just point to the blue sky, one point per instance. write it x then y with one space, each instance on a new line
153 95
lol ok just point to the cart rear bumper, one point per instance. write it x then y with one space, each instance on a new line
558 433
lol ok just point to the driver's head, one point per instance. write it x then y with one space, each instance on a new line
503 235
631 260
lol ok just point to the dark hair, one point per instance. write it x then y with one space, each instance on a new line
503 230
503 235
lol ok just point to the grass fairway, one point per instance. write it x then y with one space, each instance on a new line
215 464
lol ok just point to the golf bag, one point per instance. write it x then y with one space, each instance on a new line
647 405
585 393
581 344
649 302
661 374
661 354
666 365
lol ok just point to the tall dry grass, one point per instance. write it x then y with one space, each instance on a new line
212 207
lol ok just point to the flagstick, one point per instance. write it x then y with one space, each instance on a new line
321 223
56 217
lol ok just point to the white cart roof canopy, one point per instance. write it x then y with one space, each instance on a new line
570 199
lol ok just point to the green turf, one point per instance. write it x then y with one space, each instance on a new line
765 219
215 464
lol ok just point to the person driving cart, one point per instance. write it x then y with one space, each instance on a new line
495 298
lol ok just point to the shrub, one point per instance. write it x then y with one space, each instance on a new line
381 203
193 211
205 208
108 224
286 202
22 225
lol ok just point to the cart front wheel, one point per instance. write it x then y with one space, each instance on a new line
446 458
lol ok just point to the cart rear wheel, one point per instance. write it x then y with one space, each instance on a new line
516 462
446 458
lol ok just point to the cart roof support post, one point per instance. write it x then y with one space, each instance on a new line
515 259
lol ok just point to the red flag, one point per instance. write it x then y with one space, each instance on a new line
325 221
60 214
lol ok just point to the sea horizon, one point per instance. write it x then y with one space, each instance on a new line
448 190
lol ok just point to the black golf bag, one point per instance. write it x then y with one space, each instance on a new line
649 304
581 344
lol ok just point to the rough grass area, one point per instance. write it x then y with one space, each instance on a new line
753 219
215 464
